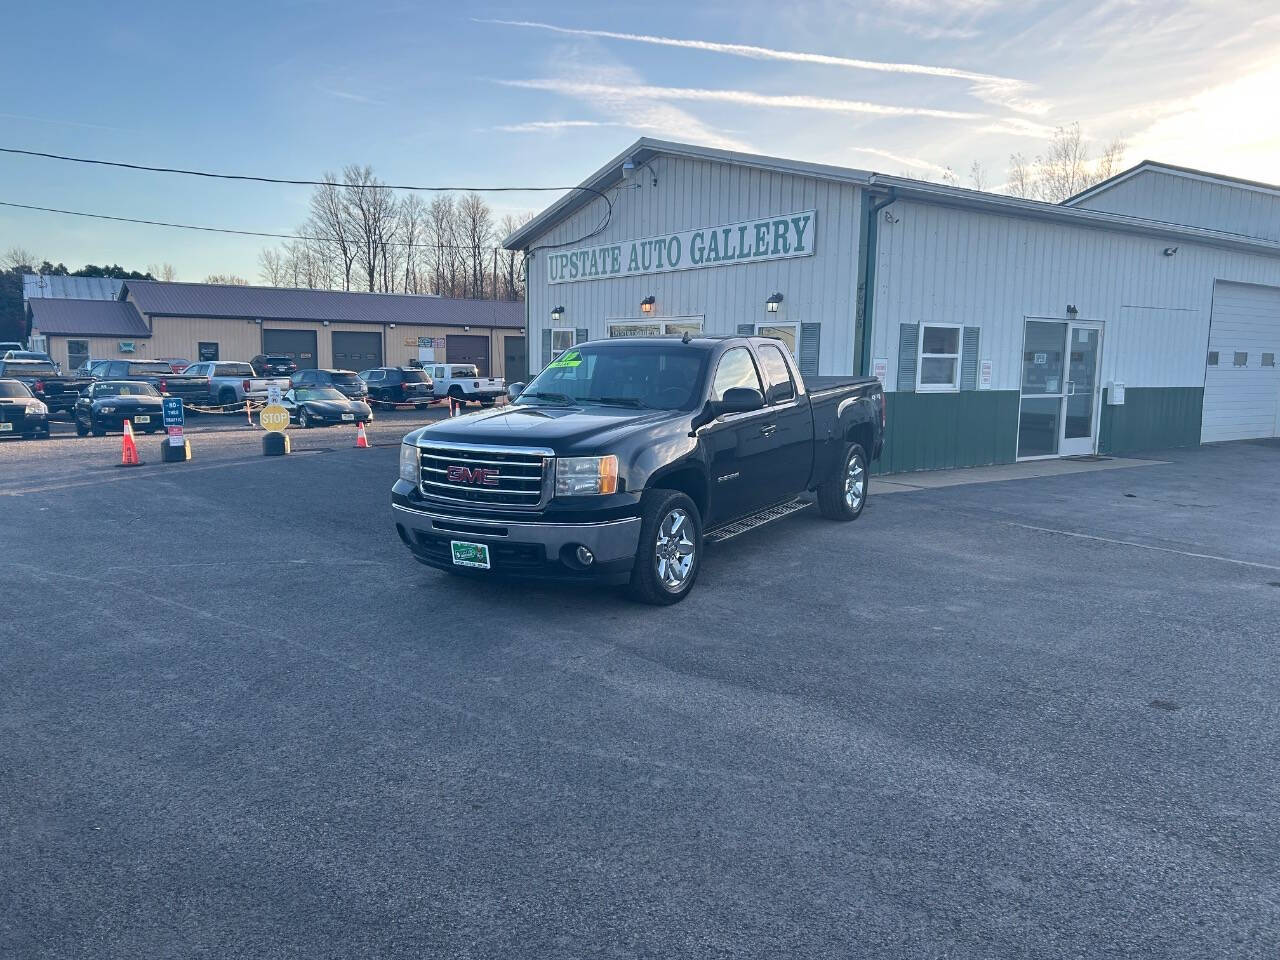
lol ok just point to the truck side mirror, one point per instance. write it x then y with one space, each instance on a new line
739 400
514 390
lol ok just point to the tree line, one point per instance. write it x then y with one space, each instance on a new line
361 235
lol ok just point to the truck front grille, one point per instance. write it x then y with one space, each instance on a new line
492 476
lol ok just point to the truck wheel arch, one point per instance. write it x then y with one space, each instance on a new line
688 479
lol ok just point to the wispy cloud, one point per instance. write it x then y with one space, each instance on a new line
744 98
556 126
351 96
914 163
1006 91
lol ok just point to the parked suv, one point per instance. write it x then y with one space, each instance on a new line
344 381
273 365
399 385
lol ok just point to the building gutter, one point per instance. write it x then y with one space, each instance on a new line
870 233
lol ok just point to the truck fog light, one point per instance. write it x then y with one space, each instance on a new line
585 556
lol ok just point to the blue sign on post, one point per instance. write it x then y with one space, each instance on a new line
174 418
173 415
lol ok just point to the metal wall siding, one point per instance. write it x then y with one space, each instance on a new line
691 193
1171 198
992 271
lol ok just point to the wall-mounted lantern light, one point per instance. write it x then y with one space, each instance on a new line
326 322
646 305
557 313
466 329
772 303
1071 309
258 320
391 325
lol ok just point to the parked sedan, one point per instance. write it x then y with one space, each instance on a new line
107 404
21 414
321 406
399 385
274 365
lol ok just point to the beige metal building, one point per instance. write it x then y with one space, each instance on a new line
317 328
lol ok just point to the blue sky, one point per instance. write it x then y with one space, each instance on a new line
446 93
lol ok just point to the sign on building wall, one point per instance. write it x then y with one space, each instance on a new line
769 238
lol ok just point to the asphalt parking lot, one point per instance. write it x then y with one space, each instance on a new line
1022 719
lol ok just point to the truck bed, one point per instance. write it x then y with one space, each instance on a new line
823 384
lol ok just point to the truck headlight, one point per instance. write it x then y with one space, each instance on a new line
409 463
583 476
39 408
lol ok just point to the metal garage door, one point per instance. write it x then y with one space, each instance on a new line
1242 381
515 361
357 351
298 345
468 349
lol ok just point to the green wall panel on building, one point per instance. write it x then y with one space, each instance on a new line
1151 418
938 431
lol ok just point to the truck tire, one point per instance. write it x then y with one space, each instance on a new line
843 496
670 552
81 429
227 398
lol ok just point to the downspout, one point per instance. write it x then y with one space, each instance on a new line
867 278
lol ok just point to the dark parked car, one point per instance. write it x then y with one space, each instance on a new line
346 382
31 355
273 365
109 403
321 406
57 392
622 454
399 385
21 414
192 389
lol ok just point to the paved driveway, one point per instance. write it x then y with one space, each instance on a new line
1023 719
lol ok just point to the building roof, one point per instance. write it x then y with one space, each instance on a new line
39 286
999 204
1189 173
86 318
157 298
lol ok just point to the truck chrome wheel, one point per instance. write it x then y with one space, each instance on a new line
675 550
855 482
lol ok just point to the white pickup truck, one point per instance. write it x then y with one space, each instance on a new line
462 381
230 382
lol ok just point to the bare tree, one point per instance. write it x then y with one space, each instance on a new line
513 260
978 176
1022 182
227 279
1063 170
476 229
18 257
331 222
948 176
370 210
1111 161
272 268
411 234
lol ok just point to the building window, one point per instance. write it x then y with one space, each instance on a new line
939 358
654 328
77 354
1242 358
1268 359
561 340
788 333
207 352
1213 358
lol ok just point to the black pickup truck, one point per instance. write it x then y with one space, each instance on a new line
59 393
622 455
158 373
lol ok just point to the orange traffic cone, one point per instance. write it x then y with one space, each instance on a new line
362 442
128 449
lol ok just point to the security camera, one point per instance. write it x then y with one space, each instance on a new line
1170 251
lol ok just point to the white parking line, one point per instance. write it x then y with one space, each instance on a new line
1146 546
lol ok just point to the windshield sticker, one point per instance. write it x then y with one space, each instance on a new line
570 358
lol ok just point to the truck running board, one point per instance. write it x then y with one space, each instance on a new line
768 515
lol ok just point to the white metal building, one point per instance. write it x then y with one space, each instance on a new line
1144 313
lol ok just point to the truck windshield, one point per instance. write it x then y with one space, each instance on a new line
12 389
233 370
125 389
660 376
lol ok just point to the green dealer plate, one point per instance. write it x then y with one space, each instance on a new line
470 554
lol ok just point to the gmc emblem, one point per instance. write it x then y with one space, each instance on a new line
481 476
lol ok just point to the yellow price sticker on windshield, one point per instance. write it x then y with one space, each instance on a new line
570 358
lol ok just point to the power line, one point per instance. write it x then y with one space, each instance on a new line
604 221
242 233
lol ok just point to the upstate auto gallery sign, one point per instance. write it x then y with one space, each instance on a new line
770 238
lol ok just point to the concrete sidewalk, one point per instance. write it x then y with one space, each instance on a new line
933 479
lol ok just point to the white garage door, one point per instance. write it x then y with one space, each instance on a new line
1242 381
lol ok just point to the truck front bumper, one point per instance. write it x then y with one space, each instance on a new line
540 551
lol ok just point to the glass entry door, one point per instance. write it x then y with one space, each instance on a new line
1060 388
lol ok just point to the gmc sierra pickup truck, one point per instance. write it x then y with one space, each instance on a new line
622 455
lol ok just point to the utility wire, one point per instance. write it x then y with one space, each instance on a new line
604 222
242 233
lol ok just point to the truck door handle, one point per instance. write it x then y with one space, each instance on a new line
768 429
